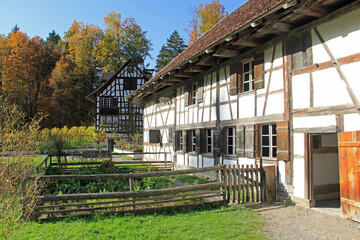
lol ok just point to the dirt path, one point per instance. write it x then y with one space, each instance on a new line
293 222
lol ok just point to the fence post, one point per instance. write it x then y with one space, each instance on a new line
223 179
131 185
165 161
233 183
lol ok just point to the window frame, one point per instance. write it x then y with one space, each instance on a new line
207 144
270 136
233 137
193 140
251 73
193 94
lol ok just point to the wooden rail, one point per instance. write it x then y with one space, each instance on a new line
137 201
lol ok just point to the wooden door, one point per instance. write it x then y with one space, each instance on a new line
349 163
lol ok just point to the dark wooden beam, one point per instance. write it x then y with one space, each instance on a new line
282 27
226 53
247 42
315 11
207 61
196 69
168 83
184 74
174 79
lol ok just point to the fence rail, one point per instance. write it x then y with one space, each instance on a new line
237 184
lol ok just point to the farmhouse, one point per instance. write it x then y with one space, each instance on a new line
114 114
275 82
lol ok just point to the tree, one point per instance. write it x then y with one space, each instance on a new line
122 40
75 75
26 65
53 39
174 46
204 17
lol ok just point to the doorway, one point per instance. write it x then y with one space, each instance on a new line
323 179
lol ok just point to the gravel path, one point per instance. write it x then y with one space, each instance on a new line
294 222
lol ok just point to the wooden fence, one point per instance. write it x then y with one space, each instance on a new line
245 183
132 201
237 184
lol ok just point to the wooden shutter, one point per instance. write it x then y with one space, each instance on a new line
259 70
299 47
154 136
115 102
250 131
200 91
240 140
198 146
170 135
186 95
233 80
216 141
240 77
283 140
177 140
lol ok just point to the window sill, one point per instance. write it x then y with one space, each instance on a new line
193 105
208 155
227 156
246 93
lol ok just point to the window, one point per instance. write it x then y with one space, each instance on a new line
181 141
209 143
230 140
106 102
193 140
193 93
248 76
154 136
130 84
269 141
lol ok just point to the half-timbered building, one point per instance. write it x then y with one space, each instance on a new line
114 113
274 81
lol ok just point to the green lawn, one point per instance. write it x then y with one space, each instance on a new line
221 223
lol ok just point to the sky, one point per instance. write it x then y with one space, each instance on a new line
158 17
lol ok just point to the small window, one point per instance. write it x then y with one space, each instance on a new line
179 141
209 142
230 140
130 84
154 136
193 93
106 102
130 69
248 76
193 140
269 141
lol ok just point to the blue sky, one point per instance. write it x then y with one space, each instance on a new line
158 17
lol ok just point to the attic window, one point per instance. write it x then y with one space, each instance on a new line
130 84
130 69
248 76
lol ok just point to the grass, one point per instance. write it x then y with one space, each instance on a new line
224 223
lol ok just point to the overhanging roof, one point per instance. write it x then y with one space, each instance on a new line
252 24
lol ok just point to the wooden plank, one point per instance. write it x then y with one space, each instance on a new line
238 183
247 183
257 183
228 169
252 182
137 194
128 175
233 183
243 183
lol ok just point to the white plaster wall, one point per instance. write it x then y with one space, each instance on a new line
275 104
314 121
352 122
230 162
225 112
341 35
193 161
223 94
281 172
208 162
299 177
180 158
352 74
301 91
247 105
213 114
327 84
246 161
277 80
206 114
299 144
260 105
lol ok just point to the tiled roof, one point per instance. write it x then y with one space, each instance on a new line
243 15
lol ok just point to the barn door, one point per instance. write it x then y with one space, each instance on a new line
349 163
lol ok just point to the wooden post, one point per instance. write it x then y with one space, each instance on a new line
131 185
165 162
252 182
238 183
229 182
223 179
257 183
233 183
247 183
243 182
